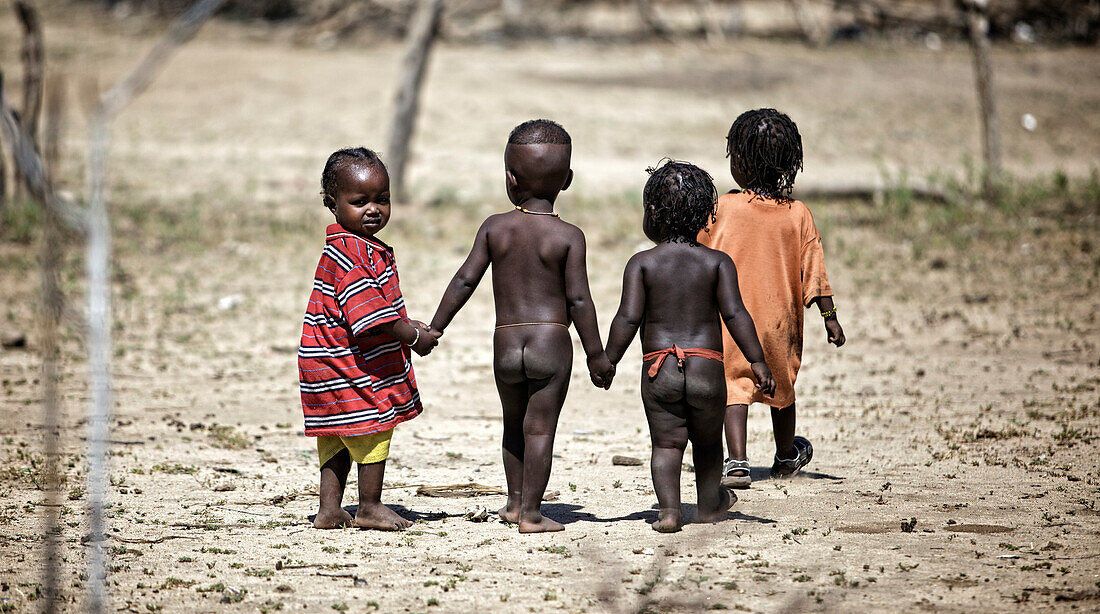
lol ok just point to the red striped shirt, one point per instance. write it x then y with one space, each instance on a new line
354 380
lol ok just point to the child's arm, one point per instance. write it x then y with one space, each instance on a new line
740 325
578 297
631 312
420 339
815 283
464 282
834 332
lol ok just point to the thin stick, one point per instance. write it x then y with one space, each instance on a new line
98 272
229 509
53 302
422 34
135 540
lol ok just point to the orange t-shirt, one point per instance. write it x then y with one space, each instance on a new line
780 269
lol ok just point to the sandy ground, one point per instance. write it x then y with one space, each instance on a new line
966 397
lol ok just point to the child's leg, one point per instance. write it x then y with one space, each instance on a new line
334 476
665 411
783 422
545 400
371 513
736 426
704 382
513 400
669 436
531 365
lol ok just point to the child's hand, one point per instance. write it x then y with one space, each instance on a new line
765 381
834 332
428 338
601 371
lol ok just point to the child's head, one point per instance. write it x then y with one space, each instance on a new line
680 200
355 186
765 152
536 161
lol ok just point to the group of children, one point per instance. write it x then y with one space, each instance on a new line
719 301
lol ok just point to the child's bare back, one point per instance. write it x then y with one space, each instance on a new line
534 258
680 284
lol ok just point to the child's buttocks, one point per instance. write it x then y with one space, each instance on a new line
532 351
701 382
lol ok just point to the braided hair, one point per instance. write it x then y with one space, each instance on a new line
341 159
766 147
680 198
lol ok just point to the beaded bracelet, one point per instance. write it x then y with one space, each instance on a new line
417 338
831 312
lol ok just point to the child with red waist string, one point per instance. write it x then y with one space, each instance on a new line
680 294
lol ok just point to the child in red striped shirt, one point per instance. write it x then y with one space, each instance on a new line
354 367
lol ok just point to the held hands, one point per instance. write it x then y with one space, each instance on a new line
834 333
601 371
765 381
428 339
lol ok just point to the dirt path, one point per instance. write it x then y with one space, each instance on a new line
954 435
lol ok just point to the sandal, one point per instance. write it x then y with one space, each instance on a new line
803 452
735 473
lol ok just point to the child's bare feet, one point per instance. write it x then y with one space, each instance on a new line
509 513
332 519
378 516
724 505
668 521
539 524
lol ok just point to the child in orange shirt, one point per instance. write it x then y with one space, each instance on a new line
776 248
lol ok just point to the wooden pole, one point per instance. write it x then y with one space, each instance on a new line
977 21
422 34
53 307
33 71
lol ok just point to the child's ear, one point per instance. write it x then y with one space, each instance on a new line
510 179
568 181
329 201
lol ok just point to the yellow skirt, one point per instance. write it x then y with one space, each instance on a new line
364 449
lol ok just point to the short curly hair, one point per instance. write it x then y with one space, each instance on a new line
539 132
681 199
340 159
766 146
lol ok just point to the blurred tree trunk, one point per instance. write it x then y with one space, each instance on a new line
514 11
811 25
422 34
33 71
712 22
3 180
978 27
650 22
